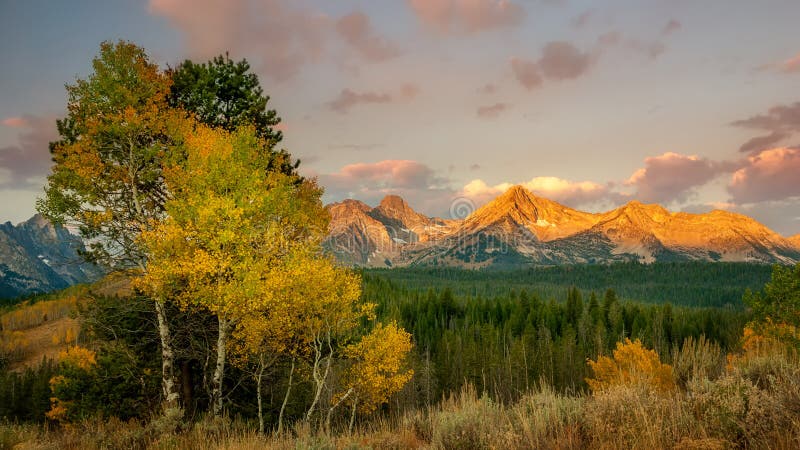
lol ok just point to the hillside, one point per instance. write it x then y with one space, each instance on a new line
520 228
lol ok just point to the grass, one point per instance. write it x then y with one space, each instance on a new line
730 411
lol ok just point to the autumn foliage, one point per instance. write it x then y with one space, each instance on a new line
632 363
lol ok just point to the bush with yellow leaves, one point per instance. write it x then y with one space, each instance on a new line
632 363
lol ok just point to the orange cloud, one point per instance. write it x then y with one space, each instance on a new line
467 16
563 191
769 175
15 122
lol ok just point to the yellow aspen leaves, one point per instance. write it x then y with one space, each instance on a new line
632 363
378 369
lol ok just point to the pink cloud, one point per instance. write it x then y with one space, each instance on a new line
791 65
769 175
370 182
356 30
467 16
15 122
672 176
526 72
277 35
492 111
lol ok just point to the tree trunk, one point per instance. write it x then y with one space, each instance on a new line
186 387
353 415
319 379
261 367
170 388
336 405
286 398
219 371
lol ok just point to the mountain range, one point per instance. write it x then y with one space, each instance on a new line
518 227
36 257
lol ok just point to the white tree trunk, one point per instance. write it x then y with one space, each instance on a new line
286 398
319 378
261 367
170 388
219 371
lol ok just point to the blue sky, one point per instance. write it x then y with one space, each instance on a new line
589 103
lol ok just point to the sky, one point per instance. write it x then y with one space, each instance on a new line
693 105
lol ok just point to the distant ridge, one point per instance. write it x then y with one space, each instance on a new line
519 227
37 257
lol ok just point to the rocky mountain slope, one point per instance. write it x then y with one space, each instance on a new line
36 256
520 228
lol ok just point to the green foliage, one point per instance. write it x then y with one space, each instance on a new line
702 284
777 307
25 396
225 94
107 173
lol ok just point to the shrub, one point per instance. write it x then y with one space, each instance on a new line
635 416
631 364
697 359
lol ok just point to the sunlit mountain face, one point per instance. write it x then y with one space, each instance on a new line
519 227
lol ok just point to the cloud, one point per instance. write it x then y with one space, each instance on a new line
15 122
26 164
650 49
769 175
409 91
526 72
563 61
487 88
777 118
781 122
492 111
560 190
467 16
583 19
672 177
671 27
758 143
420 185
560 60
357 31
348 99
791 65
278 36
787 66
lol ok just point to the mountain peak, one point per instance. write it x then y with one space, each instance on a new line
393 202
